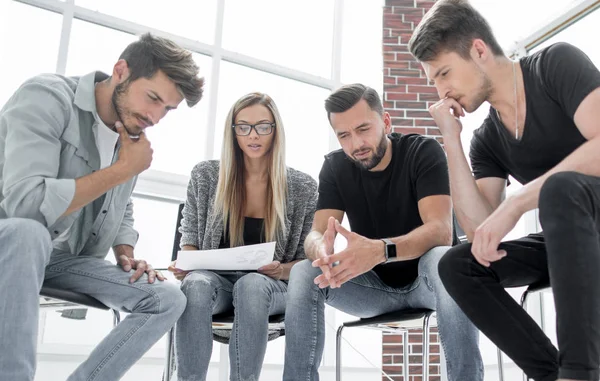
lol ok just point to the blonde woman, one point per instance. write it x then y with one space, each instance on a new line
249 197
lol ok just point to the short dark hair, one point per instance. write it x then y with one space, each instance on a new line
347 96
152 53
451 26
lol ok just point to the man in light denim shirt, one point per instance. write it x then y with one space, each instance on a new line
70 153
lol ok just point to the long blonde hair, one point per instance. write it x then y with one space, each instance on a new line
230 200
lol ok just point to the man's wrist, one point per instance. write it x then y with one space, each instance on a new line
518 202
381 256
123 249
452 139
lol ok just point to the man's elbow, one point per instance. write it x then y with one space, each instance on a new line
445 233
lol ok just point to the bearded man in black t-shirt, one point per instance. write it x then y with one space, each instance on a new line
394 189
543 129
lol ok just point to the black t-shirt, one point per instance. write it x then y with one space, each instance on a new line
556 80
384 204
253 233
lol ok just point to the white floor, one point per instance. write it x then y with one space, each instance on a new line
55 368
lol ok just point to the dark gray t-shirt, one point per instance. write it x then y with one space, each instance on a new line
556 81
385 204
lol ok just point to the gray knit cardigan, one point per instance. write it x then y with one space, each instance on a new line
202 228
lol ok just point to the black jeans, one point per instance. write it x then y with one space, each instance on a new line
568 255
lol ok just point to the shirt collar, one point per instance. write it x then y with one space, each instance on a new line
85 95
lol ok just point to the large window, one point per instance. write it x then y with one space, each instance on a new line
513 20
28 47
296 55
294 35
189 19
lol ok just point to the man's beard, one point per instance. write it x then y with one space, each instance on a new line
122 111
482 95
117 100
376 158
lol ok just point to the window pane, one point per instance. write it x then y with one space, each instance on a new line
155 221
295 35
580 34
29 39
86 56
361 43
510 25
179 139
188 18
300 105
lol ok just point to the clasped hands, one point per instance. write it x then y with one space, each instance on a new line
360 256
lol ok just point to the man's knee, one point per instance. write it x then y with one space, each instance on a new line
164 298
453 263
30 238
558 193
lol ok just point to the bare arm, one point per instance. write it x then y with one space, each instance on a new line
436 214
134 157
474 201
362 254
90 187
315 239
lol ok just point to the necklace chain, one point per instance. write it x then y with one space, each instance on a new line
516 102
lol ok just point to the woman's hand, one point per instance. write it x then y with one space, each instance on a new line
273 270
179 274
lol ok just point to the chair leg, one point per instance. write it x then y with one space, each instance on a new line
500 365
405 354
338 353
116 317
426 347
168 372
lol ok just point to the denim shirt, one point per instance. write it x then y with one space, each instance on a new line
47 140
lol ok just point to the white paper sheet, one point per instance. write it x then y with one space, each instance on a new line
249 257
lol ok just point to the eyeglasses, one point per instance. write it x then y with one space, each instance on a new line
260 128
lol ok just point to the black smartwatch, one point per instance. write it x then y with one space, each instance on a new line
390 249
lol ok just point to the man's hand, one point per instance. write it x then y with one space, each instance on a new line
134 155
325 249
273 270
125 259
446 120
179 274
490 233
360 256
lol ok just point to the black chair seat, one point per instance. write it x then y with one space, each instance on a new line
227 317
72 297
391 317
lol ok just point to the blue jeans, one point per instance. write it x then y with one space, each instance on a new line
27 260
254 296
367 296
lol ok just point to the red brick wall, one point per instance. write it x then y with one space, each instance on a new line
406 92
407 97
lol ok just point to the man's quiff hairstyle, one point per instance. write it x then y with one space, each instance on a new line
451 26
152 53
